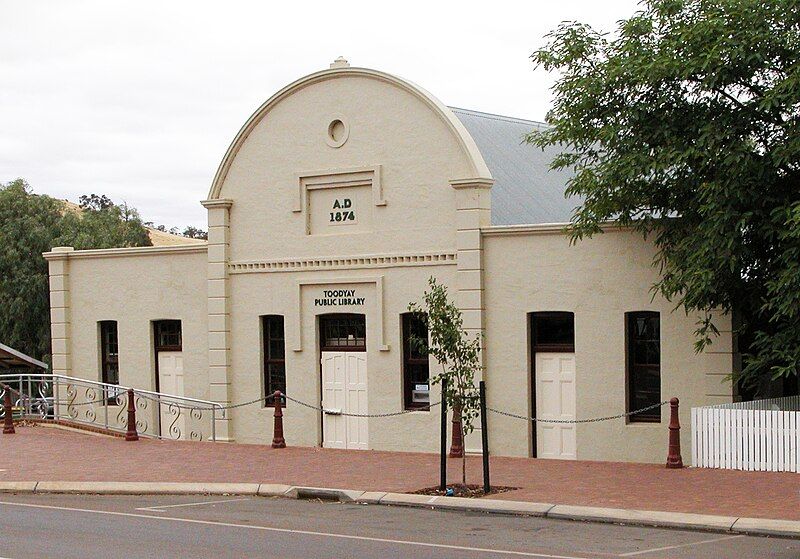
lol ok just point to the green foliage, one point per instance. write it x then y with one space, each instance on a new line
195 233
106 227
30 225
456 352
685 125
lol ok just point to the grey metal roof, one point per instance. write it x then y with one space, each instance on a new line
525 190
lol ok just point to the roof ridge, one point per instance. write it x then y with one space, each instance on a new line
494 116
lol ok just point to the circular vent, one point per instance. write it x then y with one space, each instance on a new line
337 133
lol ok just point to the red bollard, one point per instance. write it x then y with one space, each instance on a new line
457 444
277 438
8 419
674 459
131 434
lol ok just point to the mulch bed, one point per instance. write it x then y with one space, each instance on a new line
463 491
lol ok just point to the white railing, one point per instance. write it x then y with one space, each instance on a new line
97 404
762 435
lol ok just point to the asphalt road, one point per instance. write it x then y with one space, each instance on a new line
88 526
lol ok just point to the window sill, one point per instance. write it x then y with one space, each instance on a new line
418 410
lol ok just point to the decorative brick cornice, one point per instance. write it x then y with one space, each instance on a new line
344 262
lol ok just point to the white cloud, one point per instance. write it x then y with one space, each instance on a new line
139 100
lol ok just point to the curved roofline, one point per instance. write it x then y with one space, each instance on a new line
467 144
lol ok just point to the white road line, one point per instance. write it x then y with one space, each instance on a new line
158 508
669 547
300 532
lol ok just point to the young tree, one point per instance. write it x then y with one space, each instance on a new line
456 352
685 125
31 224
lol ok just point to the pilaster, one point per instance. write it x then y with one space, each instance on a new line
60 315
473 211
219 335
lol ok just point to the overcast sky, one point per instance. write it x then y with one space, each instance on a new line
139 100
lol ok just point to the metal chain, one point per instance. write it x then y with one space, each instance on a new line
592 420
320 408
264 400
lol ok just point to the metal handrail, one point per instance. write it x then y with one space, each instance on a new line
176 406
118 387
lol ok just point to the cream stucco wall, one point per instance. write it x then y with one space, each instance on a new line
135 288
258 294
599 280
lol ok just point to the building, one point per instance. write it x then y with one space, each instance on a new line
338 199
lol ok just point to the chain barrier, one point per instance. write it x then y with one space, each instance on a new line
319 408
592 420
345 414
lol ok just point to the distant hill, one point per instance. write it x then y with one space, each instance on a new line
158 238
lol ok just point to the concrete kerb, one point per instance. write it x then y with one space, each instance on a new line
688 521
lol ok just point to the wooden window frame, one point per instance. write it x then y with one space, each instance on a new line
157 325
632 370
326 319
268 324
107 358
551 347
410 361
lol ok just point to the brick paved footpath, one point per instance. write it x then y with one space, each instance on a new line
48 454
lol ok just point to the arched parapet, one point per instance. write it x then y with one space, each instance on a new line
478 167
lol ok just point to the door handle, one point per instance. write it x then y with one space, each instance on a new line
331 411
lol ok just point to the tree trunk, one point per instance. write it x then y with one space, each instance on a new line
457 440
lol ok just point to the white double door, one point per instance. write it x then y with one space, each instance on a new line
344 390
170 381
555 399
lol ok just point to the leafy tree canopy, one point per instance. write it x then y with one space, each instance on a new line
31 224
685 125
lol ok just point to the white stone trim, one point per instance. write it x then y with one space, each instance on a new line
339 178
540 229
130 251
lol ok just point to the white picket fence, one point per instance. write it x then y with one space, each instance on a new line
762 435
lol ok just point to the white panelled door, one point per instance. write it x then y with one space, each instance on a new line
170 381
344 390
555 399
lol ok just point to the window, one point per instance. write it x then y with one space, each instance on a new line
109 352
343 332
553 332
274 354
168 335
643 364
416 377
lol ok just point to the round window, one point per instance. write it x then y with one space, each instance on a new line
337 133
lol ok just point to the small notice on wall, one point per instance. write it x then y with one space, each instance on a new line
339 298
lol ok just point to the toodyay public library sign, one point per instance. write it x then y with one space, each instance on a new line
339 298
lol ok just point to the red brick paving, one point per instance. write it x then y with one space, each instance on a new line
47 454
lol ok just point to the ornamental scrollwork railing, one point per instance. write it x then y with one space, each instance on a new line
103 405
